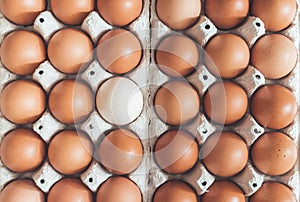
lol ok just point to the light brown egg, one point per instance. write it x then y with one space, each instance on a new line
119 51
71 12
274 55
178 14
117 189
120 12
22 101
224 191
227 14
225 102
274 153
70 189
224 154
273 191
70 50
22 191
22 52
177 55
274 106
227 55
120 152
22 12
177 103
175 191
276 14
71 101
176 151
22 150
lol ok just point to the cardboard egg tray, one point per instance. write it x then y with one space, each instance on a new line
148 176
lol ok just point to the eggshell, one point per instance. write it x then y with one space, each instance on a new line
120 152
176 151
119 51
177 55
22 52
178 14
274 106
175 191
71 101
176 103
117 189
127 11
70 189
22 101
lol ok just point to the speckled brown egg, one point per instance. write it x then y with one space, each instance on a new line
276 14
175 191
70 50
120 152
70 190
71 101
70 152
177 55
22 150
22 101
274 106
71 12
227 55
176 151
119 51
120 12
273 191
22 12
274 55
224 191
225 102
227 14
176 103
274 153
117 189
178 14
224 154
22 191
22 52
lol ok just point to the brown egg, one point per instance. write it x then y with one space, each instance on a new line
224 191
177 55
224 154
70 50
225 102
22 101
178 14
127 11
70 152
276 14
22 150
120 152
274 153
71 12
117 189
119 51
274 55
227 55
22 12
274 106
70 190
22 191
71 101
273 191
227 14
175 191
22 52
176 151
